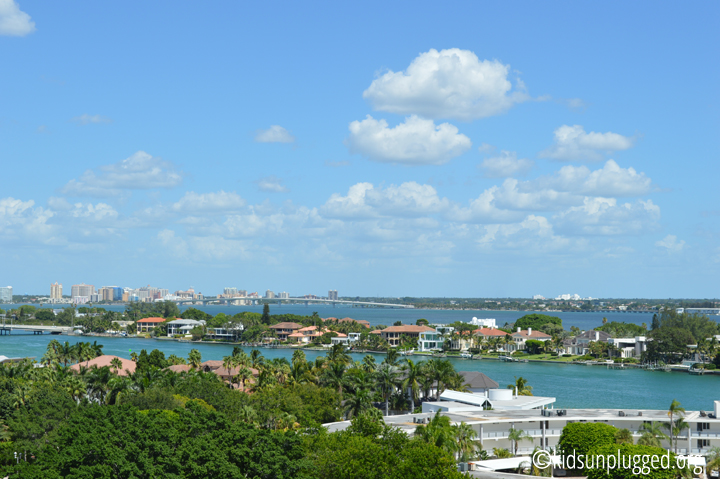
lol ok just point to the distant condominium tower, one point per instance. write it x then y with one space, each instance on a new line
230 292
56 291
332 294
6 294
82 290
269 294
283 295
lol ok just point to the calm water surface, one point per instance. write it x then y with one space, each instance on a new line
574 386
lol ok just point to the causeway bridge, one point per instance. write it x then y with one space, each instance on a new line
35 329
307 301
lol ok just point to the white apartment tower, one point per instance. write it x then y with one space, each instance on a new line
6 294
56 291
82 290
333 295
269 294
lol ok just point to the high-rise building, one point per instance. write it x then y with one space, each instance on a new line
6 294
117 293
82 289
269 294
230 292
283 295
332 294
107 293
56 291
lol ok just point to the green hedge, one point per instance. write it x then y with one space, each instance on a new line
582 437
632 458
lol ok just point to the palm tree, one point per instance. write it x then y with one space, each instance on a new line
443 374
623 436
357 403
676 429
438 432
66 353
334 376
713 460
521 385
194 359
517 435
116 364
243 375
651 434
256 359
338 354
413 373
465 438
387 379
368 363
392 357
675 409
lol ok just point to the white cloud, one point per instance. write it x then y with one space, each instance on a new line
450 83
414 142
86 119
13 21
610 180
528 196
573 143
98 212
173 245
141 171
506 165
604 216
534 234
365 201
20 220
274 134
486 148
671 244
216 202
272 184
483 210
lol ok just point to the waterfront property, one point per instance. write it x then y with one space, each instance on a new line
519 338
285 329
393 334
580 344
183 326
146 325
346 339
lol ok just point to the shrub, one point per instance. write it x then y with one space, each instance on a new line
555 354
566 355
580 437
667 471
710 367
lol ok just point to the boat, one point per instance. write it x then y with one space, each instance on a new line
696 371
466 355
438 355
407 352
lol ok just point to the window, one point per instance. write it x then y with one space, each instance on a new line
702 426
703 443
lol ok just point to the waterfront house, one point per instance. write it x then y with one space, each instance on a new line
430 341
629 347
346 339
477 382
229 333
146 325
393 333
351 320
519 338
285 329
182 326
127 368
462 341
489 333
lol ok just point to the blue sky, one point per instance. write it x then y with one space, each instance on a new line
469 149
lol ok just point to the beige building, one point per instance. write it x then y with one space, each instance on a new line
56 291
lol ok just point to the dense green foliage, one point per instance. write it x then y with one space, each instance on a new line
581 437
537 321
157 423
663 469
622 329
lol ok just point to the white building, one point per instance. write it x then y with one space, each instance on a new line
269 294
630 347
56 291
82 289
182 326
484 322
333 295
6 294
568 297
283 295
346 340
539 296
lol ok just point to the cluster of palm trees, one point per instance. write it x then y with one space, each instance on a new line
71 353
458 439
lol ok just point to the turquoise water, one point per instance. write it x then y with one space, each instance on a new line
387 316
573 386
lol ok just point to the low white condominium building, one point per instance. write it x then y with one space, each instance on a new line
544 426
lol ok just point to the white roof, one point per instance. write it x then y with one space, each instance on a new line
497 464
517 402
181 321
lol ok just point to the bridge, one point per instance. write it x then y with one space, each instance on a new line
293 300
35 329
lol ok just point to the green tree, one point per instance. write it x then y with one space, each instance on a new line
517 435
521 386
584 437
413 375
624 436
675 410
266 315
194 359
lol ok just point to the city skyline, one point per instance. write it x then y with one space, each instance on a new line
487 150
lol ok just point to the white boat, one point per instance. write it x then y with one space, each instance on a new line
466 355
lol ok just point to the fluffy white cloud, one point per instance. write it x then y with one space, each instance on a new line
573 143
13 21
216 202
528 196
414 142
274 134
450 83
98 212
610 180
141 171
365 201
604 216
272 184
506 165
86 119
671 244
20 220
483 210
532 235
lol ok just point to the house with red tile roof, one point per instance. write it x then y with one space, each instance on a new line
520 337
146 325
283 330
128 366
393 333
